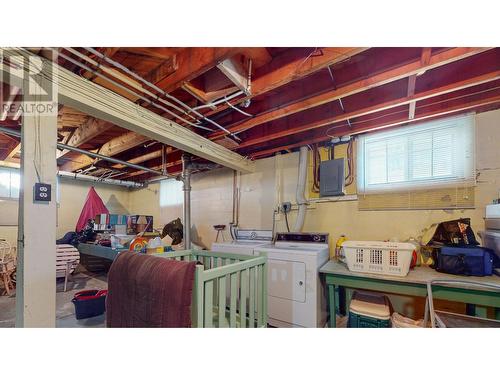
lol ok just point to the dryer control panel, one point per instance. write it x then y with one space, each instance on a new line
254 234
302 237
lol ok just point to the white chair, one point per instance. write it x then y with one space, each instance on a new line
67 260
7 265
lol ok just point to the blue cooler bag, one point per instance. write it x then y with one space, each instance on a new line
469 261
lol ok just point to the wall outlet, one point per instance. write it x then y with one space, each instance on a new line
286 207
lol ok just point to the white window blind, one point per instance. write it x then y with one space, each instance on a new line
431 155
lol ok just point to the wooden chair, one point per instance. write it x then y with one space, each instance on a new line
7 265
67 259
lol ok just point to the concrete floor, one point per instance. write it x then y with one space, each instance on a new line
65 310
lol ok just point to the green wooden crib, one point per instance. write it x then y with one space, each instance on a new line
230 290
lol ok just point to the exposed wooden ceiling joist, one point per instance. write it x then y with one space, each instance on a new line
104 104
287 68
377 125
397 73
9 145
13 153
193 62
86 132
111 148
314 124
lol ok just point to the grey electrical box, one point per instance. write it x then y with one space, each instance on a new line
331 178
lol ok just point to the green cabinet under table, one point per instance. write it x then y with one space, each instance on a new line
337 276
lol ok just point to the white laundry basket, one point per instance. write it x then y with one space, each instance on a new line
389 258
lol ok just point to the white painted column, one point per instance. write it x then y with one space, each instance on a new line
36 272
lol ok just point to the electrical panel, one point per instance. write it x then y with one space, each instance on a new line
331 178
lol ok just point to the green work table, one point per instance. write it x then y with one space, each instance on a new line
99 251
337 276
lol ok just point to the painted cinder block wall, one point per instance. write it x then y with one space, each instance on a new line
275 181
72 195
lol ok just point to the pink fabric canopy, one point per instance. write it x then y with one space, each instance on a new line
93 206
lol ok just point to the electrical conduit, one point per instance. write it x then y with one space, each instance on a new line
301 189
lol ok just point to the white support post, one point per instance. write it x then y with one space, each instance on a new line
36 270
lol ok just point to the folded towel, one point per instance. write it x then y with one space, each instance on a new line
149 291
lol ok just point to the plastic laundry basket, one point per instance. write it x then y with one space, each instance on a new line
369 310
89 303
388 258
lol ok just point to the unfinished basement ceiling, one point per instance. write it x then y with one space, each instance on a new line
281 98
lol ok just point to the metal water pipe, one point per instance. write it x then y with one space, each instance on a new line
186 187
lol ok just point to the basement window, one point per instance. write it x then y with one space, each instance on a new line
10 182
430 155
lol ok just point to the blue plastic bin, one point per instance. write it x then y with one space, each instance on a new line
89 303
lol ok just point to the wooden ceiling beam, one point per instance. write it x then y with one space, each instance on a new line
10 145
280 73
206 97
91 129
287 67
109 51
378 125
152 52
165 69
10 157
102 103
193 62
139 173
379 79
259 55
115 146
452 87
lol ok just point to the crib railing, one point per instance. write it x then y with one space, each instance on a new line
230 289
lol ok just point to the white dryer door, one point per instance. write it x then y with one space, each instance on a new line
286 279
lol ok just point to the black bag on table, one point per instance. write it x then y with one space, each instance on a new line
455 232
465 260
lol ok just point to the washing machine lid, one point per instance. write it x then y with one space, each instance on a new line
231 246
298 248
241 243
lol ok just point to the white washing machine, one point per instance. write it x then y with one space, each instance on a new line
245 243
296 296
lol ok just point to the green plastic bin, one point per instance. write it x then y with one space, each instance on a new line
369 310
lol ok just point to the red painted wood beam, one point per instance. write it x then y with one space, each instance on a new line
330 120
400 119
397 73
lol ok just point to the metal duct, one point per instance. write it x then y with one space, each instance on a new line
108 181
